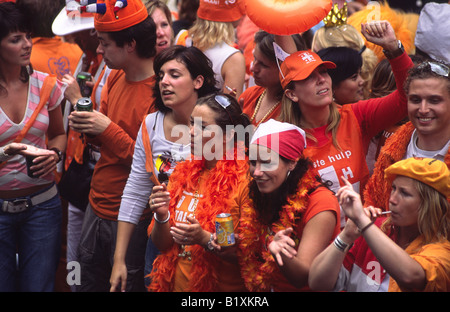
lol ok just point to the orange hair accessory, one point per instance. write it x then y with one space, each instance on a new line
221 10
432 172
119 15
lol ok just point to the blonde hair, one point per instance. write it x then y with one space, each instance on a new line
206 34
434 214
291 113
347 36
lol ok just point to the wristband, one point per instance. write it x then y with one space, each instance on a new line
341 245
366 227
164 221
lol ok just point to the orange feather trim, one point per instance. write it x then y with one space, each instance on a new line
258 267
378 189
222 182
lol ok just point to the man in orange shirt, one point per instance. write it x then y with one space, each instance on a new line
127 43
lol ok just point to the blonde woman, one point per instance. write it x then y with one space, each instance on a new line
338 137
408 251
213 32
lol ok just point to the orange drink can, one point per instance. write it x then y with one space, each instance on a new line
225 230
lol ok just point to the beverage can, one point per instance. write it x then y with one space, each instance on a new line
225 230
84 104
82 77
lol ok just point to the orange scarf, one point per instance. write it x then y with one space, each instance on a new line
258 267
222 181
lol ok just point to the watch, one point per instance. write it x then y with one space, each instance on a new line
397 52
209 245
58 152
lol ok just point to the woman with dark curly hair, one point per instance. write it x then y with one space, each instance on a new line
293 216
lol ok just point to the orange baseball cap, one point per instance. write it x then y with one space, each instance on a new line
221 10
432 172
120 15
300 65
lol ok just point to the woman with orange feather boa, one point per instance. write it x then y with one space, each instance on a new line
293 216
213 181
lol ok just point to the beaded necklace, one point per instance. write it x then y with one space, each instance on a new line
258 105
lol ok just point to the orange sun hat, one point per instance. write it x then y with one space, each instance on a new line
119 15
432 172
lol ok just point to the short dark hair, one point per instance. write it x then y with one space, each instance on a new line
143 33
424 71
196 63
12 19
348 62
231 115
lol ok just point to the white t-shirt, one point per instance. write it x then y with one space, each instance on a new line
166 155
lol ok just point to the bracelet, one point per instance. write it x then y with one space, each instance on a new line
341 245
366 227
164 221
209 245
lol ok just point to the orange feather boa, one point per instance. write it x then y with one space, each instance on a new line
258 267
222 182
377 189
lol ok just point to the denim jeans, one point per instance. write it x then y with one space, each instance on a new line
35 236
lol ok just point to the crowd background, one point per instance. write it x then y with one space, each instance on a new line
368 97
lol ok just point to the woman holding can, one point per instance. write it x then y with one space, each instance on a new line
30 125
212 182
183 74
293 217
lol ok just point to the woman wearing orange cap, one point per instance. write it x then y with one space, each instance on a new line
292 211
263 101
408 251
338 137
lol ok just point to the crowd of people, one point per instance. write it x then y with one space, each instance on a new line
127 127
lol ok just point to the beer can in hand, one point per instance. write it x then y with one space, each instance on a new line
85 104
225 230
82 77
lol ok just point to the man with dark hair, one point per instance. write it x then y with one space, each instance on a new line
127 39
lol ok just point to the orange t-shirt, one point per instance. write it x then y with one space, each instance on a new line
348 162
126 104
250 97
434 258
54 56
320 200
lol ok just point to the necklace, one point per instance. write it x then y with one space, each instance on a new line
258 105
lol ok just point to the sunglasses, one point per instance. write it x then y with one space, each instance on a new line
224 102
437 68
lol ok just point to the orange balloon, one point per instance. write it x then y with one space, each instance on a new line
287 17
